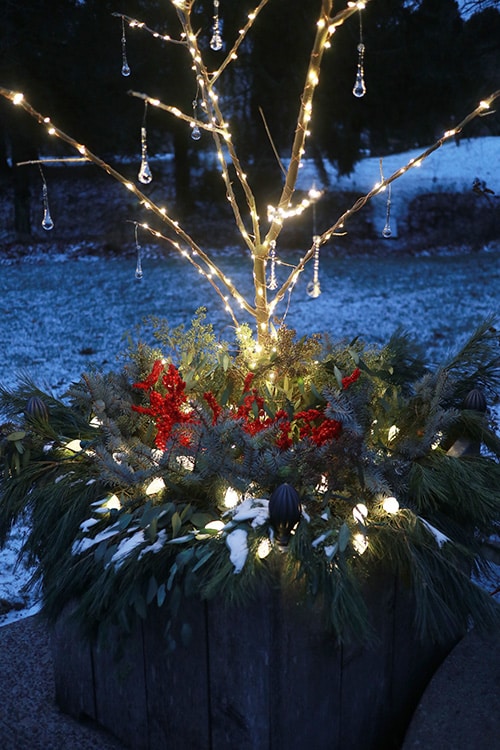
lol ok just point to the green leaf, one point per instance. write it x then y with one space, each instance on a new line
338 376
344 536
152 590
16 436
355 356
176 524
173 571
124 521
152 530
199 520
161 595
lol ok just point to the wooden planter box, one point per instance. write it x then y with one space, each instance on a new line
267 676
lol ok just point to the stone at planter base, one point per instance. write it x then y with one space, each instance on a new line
266 676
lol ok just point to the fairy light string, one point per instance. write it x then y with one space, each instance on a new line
208 275
214 121
134 23
482 109
19 100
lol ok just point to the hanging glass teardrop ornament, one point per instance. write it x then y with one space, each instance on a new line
273 284
359 88
138 267
195 130
125 65
314 288
216 42
145 175
387 231
47 222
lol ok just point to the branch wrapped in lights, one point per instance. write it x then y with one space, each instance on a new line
244 204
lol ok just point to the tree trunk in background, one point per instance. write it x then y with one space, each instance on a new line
22 150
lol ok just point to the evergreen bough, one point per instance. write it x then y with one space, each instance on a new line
118 525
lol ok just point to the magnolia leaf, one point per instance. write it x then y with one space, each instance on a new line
199 520
343 538
317 395
338 376
19 435
176 524
152 590
124 521
355 356
161 595
100 551
151 531
173 571
186 512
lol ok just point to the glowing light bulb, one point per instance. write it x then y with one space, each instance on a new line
155 486
112 503
231 498
17 98
390 505
360 512
360 543
264 548
74 445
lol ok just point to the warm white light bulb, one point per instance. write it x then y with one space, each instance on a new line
264 548
112 503
390 505
231 498
359 512
155 486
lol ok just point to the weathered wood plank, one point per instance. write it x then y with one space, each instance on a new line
177 682
239 663
120 690
366 674
73 669
305 678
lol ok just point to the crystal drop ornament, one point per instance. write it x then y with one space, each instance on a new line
145 175
47 222
216 42
195 133
313 289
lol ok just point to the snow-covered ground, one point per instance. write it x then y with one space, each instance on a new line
54 336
